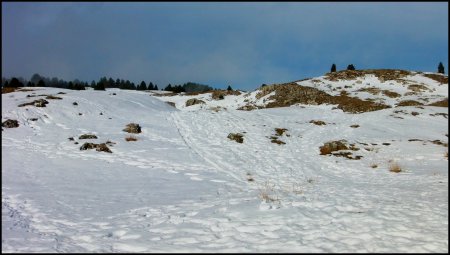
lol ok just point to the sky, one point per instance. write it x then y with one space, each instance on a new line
241 44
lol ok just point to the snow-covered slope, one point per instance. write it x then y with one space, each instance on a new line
183 186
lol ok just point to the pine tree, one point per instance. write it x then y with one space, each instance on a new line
41 83
150 86
441 68
333 68
229 88
351 67
156 87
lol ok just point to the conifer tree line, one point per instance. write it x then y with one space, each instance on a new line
103 83
441 68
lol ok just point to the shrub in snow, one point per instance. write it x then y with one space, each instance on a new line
331 146
318 122
87 136
37 103
97 147
132 128
10 123
236 137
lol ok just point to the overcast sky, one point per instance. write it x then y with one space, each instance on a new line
235 43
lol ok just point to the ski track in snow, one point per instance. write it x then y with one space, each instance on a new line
182 187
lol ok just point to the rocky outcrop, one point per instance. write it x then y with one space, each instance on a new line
194 101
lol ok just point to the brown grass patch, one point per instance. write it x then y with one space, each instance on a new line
131 138
442 103
8 90
438 77
236 137
280 131
277 141
390 94
318 122
409 103
395 167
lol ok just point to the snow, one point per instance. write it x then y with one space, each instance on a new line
183 186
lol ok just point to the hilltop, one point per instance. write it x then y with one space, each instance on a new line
352 161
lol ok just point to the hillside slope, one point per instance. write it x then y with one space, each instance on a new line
183 186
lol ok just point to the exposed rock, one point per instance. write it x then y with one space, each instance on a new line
10 123
75 103
171 103
87 136
194 101
133 128
354 126
236 136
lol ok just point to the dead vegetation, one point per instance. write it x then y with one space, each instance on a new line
442 79
97 147
53 97
9 123
132 128
236 137
408 103
318 122
339 149
441 103
291 93
394 167
36 103
382 74
131 138
220 94
87 136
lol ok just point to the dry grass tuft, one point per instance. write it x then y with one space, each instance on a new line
131 138
395 167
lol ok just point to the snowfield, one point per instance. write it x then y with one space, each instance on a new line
183 186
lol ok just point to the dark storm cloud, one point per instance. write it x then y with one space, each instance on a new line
242 44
